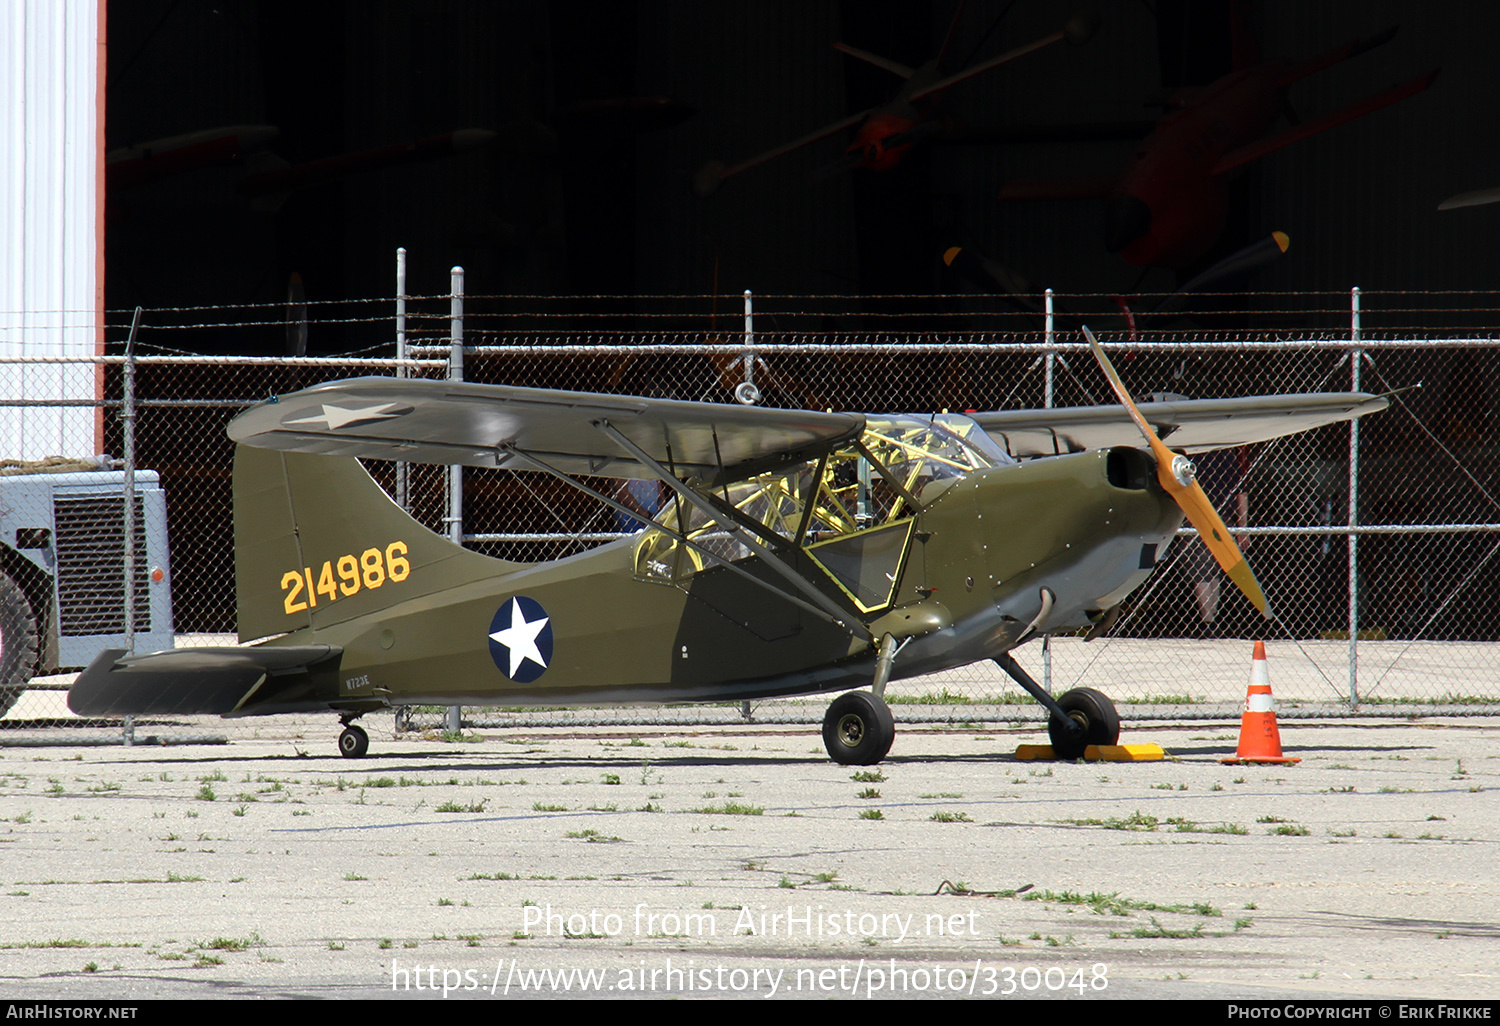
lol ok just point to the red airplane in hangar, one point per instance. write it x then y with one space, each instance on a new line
1169 203
888 132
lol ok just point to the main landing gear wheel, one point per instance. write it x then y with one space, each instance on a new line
1090 710
353 742
858 729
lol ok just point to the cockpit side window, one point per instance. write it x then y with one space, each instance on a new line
834 498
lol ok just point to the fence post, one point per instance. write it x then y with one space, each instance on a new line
127 428
1355 355
401 355
745 391
749 334
127 504
455 516
1047 403
456 471
1051 356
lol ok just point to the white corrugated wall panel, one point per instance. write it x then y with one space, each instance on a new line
48 224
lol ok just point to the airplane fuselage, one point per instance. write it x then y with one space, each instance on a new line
593 628
1169 206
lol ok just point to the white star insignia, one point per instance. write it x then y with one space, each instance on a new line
520 639
335 417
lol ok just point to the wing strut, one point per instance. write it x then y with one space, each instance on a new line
734 528
890 478
712 556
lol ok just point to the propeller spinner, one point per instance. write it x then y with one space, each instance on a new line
1178 477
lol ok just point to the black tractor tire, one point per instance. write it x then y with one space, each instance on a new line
1091 710
858 729
19 642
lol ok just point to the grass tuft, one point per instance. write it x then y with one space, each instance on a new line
730 809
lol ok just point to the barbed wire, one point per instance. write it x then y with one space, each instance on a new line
426 355
230 361
427 314
1112 299
843 344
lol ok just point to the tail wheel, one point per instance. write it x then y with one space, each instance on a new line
353 742
18 642
858 729
1092 711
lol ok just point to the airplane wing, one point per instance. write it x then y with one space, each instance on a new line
713 174
446 422
1477 198
1192 425
884 64
1261 147
1074 32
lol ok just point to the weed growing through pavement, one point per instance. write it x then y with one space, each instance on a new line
1135 821
452 806
1156 929
731 809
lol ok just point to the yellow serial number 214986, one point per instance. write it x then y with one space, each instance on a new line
344 576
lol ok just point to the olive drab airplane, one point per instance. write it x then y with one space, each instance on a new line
800 552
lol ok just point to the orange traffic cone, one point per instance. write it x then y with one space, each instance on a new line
1260 741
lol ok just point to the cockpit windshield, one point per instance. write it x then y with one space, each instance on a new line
920 450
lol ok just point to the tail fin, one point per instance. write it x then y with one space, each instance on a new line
318 542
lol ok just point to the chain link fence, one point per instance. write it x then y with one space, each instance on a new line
1396 613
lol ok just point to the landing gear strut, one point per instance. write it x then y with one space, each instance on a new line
1080 717
353 742
859 728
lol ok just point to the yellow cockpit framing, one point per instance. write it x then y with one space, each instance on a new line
852 511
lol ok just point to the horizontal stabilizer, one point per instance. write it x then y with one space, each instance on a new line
187 681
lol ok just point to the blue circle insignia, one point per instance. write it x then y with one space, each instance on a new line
521 639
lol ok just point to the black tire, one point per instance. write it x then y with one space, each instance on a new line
1092 711
353 742
858 729
18 642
